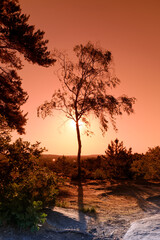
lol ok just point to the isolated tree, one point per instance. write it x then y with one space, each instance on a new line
17 38
85 90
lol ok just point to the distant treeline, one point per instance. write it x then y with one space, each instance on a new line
117 163
50 157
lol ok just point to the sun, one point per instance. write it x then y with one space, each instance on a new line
73 124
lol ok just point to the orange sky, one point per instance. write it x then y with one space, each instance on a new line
131 31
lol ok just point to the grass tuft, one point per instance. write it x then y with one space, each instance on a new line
88 210
62 204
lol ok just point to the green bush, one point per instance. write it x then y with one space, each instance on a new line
23 213
99 174
25 187
147 166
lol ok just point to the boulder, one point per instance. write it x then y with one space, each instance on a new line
144 229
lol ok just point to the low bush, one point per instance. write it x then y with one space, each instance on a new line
99 174
25 187
147 166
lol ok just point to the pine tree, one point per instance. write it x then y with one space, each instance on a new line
17 38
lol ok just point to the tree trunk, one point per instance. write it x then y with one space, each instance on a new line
79 150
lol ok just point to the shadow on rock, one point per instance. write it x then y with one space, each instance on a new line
65 220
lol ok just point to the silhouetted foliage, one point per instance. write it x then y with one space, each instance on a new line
92 163
25 187
17 38
85 90
118 160
147 165
64 166
118 163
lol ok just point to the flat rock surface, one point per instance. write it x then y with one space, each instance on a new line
61 224
64 219
144 229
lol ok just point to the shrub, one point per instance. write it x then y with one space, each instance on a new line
23 213
64 166
99 174
92 163
148 165
25 187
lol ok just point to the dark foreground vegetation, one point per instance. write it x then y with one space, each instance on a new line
30 181
26 188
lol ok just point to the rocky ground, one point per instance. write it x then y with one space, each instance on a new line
110 209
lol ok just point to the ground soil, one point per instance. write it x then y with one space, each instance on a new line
117 204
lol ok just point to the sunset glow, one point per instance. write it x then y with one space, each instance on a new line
130 30
73 124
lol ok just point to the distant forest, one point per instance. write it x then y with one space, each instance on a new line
117 163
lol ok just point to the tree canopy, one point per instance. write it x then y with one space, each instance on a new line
86 86
17 38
